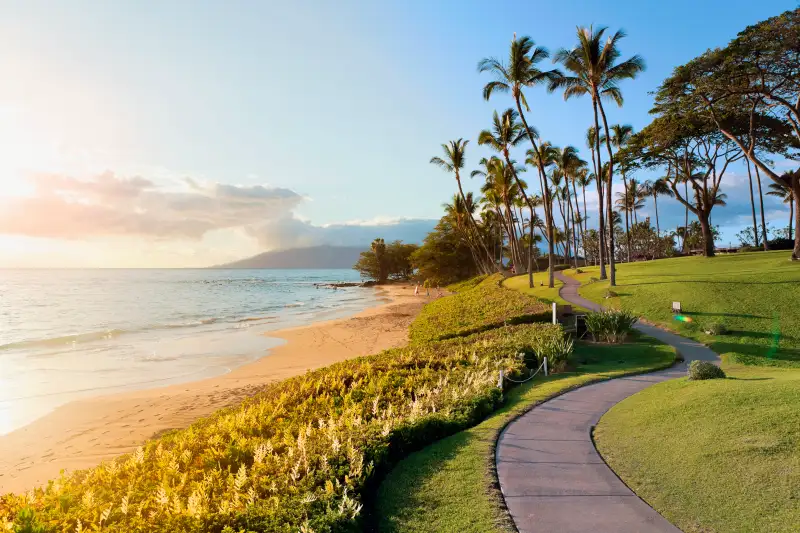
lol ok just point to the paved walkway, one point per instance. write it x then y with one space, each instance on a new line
553 479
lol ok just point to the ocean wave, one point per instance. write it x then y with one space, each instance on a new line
295 304
65 339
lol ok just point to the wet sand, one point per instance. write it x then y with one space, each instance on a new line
82 434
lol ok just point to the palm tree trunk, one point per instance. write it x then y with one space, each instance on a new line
572 224
612 267
530 252
627 216
763 223
486 266
580 220
655 203
599 181
752 201
548 208
791 215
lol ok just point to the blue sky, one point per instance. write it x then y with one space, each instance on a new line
335 108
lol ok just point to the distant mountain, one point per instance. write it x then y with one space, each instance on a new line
312 257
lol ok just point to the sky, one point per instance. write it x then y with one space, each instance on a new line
192 133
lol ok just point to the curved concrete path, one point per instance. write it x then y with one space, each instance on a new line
553 479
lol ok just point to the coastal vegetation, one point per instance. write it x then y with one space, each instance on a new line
486 306
307 453
383 262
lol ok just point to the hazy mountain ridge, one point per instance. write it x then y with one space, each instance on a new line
311 257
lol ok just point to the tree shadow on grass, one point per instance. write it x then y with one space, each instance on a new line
749 379
708 281
727 315
758 354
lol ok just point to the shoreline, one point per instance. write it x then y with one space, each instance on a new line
83 433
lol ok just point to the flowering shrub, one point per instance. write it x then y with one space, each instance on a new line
488 305
300 456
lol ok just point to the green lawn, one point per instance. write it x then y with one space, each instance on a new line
756 296
448 486
719 455
542 292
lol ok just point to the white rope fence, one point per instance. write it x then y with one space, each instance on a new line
504 377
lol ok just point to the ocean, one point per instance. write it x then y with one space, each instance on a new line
70 334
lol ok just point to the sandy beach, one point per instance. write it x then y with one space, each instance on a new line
84 433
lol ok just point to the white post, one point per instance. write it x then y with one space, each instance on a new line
555 319
545 367
500 381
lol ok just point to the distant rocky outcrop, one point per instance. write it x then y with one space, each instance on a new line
312 257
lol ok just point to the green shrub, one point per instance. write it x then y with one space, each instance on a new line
716 328
593 279
304 454
705 370
611 294
561 267
558 351
610 326
466 284
486 306
579 271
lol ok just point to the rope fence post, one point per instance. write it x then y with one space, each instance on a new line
500 381
555 317
545 367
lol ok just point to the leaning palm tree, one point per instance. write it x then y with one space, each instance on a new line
657 188
594 68
786 195
453 161
521 73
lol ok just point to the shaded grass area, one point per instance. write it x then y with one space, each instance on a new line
720 455
450 485
755 295
485 306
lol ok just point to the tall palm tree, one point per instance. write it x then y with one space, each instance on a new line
521 73
786 195
506 133
453 161
761 200
592 143
657 188
620 135
568 162
595 71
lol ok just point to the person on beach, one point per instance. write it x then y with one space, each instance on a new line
438 291
416 289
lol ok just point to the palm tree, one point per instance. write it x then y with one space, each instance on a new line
592 142
657 188
594 68
568 162
506 132
620 135
521 73
457 213
786 195
453 162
